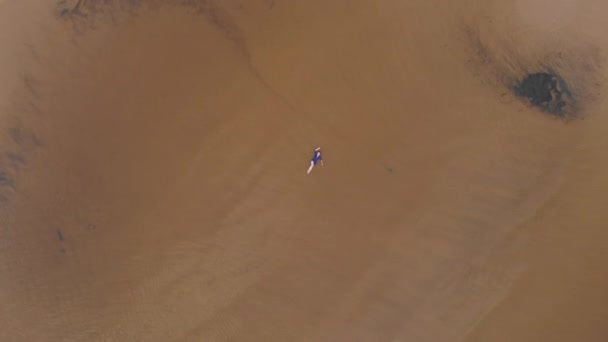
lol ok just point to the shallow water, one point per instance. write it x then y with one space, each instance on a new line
153 179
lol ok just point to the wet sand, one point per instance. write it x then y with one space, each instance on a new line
153 162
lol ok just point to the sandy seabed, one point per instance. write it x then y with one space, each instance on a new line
153 160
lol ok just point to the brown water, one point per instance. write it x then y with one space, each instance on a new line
153 183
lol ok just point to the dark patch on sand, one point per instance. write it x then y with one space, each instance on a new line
85 13
36 141
32 86
564 79
25 139
60 235
7 187
17 135
66 8
6 180
16 159
546 91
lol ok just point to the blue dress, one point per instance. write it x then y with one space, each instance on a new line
316 157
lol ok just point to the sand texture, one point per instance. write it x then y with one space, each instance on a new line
153 160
